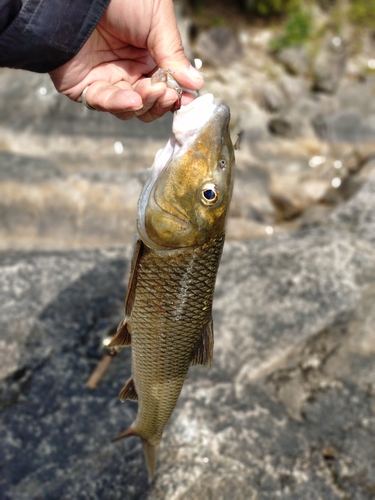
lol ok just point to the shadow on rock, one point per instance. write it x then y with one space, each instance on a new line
57 435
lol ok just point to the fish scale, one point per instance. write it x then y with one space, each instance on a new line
152 329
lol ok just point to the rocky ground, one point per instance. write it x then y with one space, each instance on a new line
287 409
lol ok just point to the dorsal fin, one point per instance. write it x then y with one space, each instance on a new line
128 391
122 337
203 349
130 293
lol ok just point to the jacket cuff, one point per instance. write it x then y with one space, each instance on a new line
48 33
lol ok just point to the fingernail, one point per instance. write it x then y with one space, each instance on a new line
195 73
133 108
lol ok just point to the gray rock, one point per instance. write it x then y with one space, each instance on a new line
24 104
286 410
356 217
218 46
283 126
358 95
271 96
295 59
329 68
290 124
43 206
347 126
251 210
27 169
293 87
286 92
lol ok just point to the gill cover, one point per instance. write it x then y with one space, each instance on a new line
185 201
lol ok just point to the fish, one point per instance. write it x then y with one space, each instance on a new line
182 212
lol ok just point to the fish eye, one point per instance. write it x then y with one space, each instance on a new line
210 194
222 163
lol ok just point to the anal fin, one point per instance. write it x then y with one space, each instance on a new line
122 337
203 349
128 391
129 432
149 450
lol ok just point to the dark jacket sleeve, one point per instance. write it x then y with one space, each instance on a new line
41 35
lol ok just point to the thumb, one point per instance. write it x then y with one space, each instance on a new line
165 46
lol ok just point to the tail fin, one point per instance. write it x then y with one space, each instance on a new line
150 454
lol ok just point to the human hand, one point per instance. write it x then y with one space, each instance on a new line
132 39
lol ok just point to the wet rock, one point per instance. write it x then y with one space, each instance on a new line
218 46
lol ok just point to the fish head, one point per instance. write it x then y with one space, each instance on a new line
185 201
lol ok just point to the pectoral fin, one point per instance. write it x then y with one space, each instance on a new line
128 391
237 145
203 350
122 337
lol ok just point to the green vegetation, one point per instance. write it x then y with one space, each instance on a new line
218 21
362 12
267 8
298 29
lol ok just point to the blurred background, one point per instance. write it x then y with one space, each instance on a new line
299 79
287 409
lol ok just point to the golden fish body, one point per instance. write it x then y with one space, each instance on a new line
181 228
172 311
